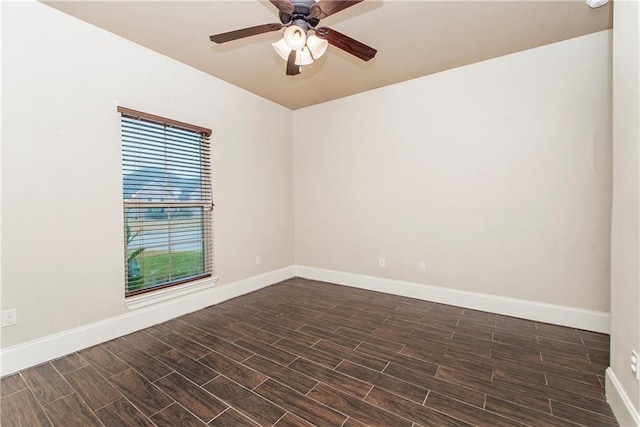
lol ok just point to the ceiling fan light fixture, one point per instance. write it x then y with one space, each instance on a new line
593 4
295 37
317 46
282 49
303 57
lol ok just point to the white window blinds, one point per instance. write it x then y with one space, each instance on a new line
166 168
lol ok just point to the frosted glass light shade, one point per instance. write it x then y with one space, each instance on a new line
282 49
295 37
596 3
317 46
303 57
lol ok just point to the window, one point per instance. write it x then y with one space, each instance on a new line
166 174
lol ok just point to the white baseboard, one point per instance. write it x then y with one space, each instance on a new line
590 320
38 351
622 407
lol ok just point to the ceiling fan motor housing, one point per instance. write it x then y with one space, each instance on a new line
301 11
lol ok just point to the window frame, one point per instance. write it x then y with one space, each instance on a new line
181 286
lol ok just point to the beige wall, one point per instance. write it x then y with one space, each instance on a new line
625 235
62 237
497 175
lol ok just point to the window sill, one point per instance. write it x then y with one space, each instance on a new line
161 295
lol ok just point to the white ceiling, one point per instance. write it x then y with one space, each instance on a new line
413 38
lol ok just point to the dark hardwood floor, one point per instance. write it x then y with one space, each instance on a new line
303 353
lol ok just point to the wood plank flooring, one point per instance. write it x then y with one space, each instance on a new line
304 353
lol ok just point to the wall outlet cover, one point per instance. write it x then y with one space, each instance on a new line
9 317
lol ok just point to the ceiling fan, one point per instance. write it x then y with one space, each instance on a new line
298 47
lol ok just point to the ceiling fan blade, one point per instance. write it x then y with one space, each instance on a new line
346 43
324 8
292 68
283 6
245 32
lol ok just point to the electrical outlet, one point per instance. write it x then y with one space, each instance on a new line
422 267
258 260
382 262
9 317
635 364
